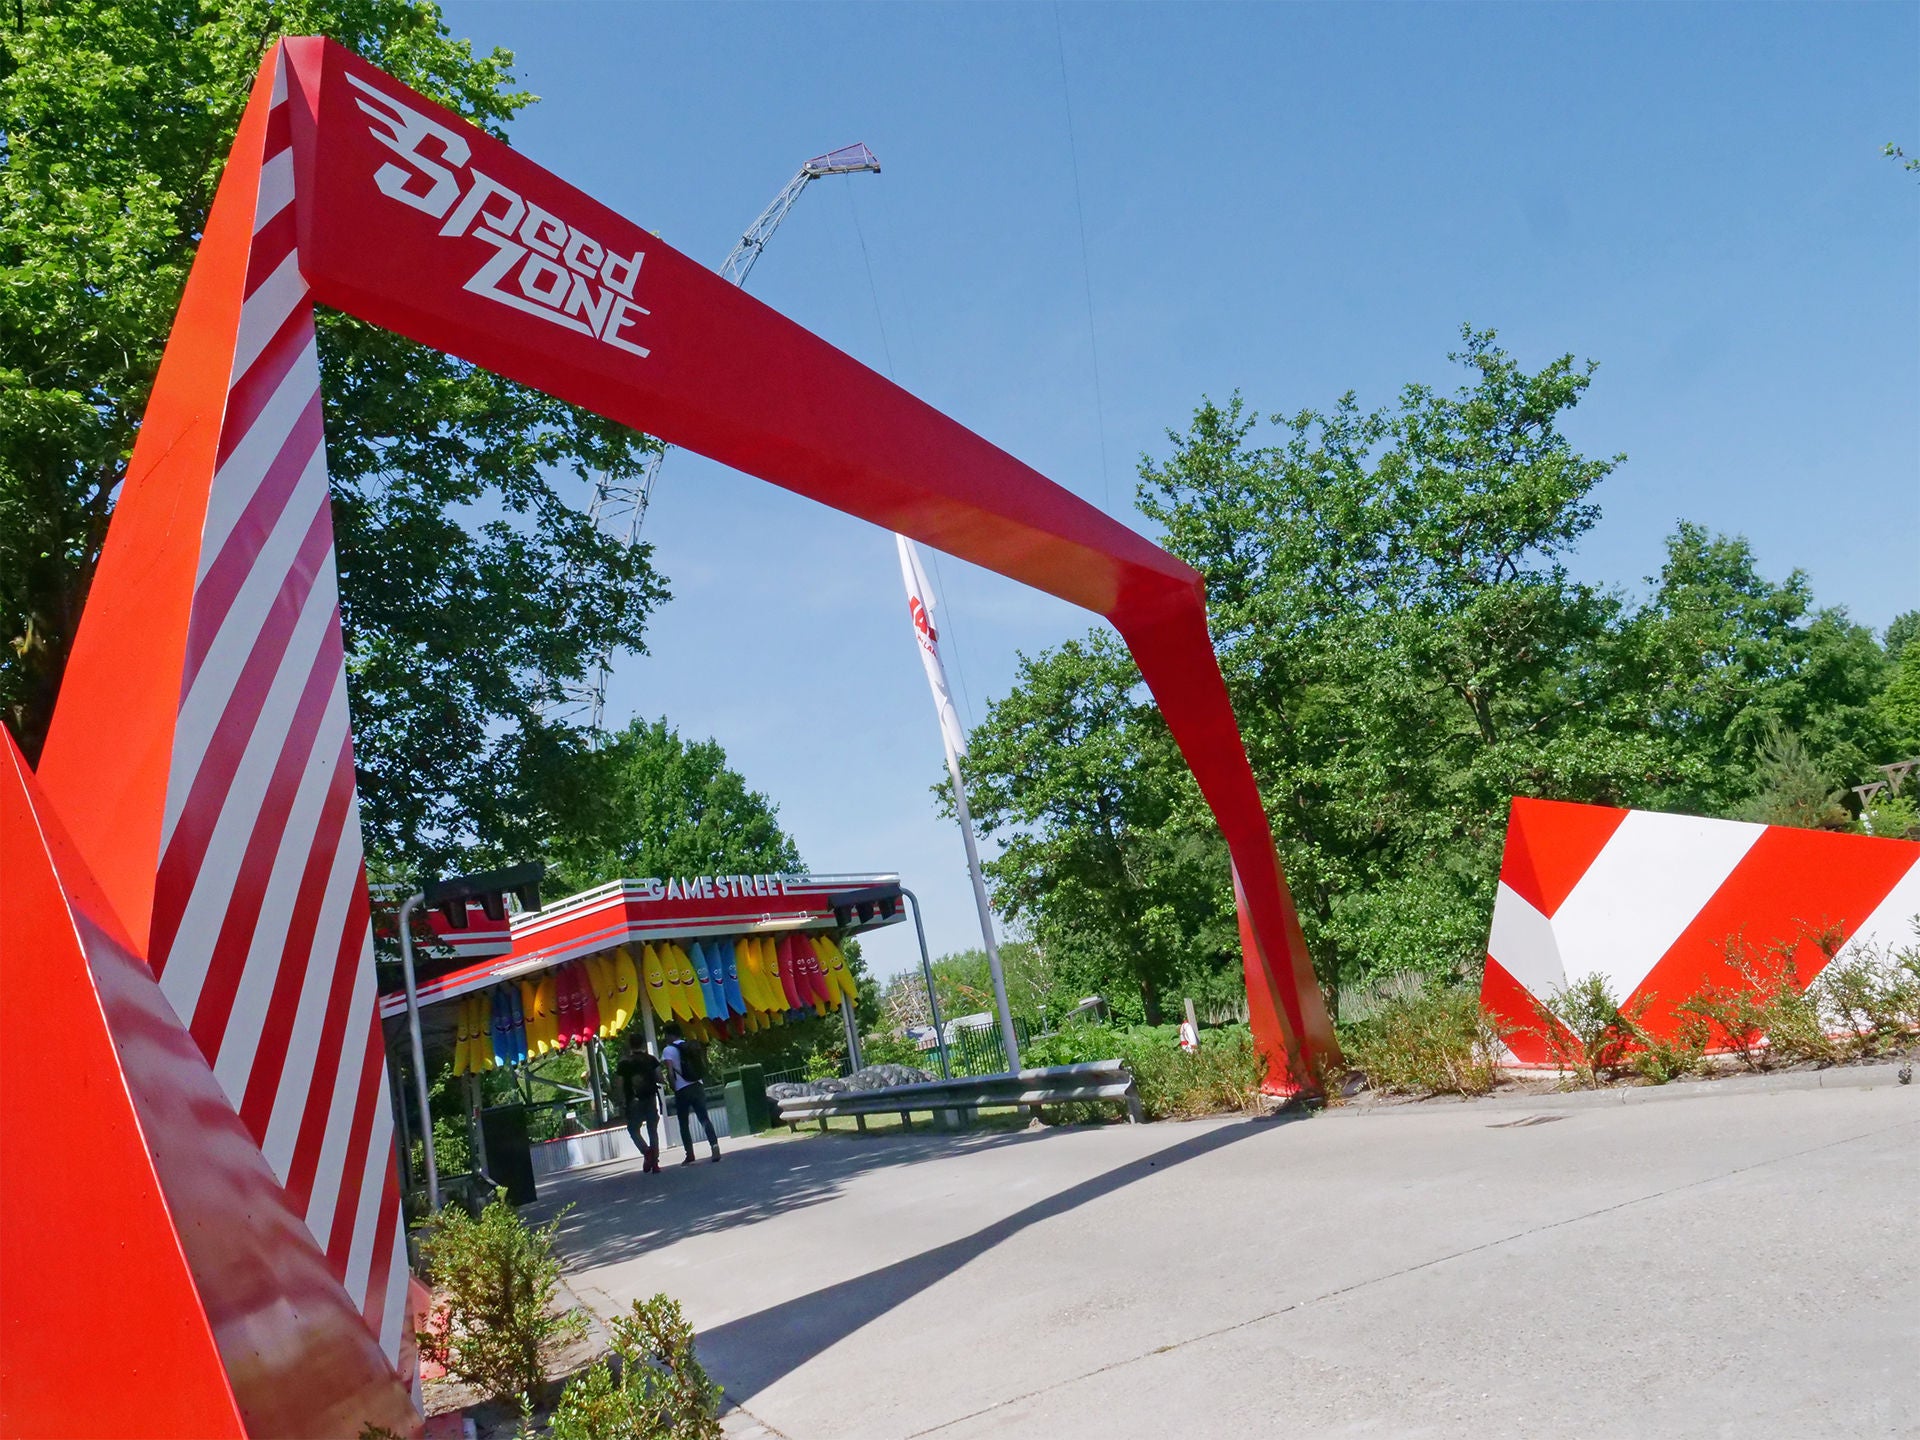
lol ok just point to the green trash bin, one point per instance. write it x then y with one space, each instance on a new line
753 1080
503 1129
737 1122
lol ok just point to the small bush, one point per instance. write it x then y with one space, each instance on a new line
1585 1033
496 1324
1428 1042
1224 1077
652 1389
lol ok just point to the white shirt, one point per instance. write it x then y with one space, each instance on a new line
670 1057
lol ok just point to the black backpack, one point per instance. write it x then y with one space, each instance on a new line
693 1060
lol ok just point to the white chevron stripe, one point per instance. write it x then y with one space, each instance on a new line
186 963
266 311
1891 925
270 952
1522 940
236 481
340 1110
227 653
1655 873
303 1042
373 1184
395 1312
279 81
276 189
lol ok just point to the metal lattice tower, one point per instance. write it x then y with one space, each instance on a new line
619 507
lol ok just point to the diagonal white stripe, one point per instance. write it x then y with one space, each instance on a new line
1522 941
269 952
303 1042
276 190
236 481
206 908
394 1311
232 645
1891 925
373 1183
279 80
266 311
1655 873
346 1086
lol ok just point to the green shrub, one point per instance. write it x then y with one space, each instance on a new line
1428 1042
1585 1033
652 1389
496 1324
880 1048
1224 1077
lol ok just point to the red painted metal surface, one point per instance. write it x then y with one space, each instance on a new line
432 228
1653 901
147 1207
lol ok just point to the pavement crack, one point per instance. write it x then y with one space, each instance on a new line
1404 1271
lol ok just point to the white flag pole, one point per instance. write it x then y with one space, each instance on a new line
920 602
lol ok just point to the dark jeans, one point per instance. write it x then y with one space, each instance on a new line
691 1098
650 1146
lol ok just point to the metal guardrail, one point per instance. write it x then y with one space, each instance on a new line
1052 1085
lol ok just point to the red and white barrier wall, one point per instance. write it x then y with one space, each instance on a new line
1652 902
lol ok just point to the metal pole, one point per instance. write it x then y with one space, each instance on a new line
926 969
986 915
854 1065
476 1136
407 908
595 1087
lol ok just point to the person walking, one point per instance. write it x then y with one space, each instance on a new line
686 1062
639 1076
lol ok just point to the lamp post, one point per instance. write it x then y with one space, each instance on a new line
926 969
490 889
407 907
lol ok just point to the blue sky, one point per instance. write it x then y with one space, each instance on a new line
1292 201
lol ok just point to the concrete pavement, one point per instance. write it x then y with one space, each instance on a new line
1746 1262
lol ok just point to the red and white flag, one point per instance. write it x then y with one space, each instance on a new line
920 605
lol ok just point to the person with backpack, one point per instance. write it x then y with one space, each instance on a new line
639 1075
686 1062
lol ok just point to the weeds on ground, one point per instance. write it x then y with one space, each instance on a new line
1863 1001
496 1279
1585 1033
651 1388
1224 1077
1429 1041
1592 1036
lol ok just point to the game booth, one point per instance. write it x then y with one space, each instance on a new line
720 956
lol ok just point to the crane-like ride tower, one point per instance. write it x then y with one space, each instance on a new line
619 507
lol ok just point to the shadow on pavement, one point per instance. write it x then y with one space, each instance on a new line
749 1354
620 1213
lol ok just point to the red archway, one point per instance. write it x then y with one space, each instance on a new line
200 758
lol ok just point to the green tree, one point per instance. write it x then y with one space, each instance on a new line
1723 657
1790 789
1897 706
651 803
1902 628
1403 643
473 586
1105 849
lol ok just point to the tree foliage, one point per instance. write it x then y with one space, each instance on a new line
473 586
655 804
1406 650
1100 854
